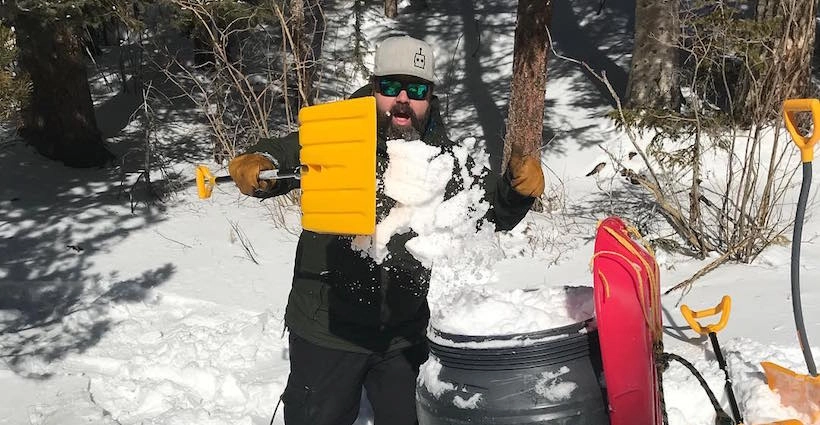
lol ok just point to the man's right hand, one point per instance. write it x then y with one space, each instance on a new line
244 170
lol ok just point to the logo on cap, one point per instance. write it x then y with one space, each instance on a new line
418 59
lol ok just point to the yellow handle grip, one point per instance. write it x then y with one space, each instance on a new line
205 181
723 309
806 144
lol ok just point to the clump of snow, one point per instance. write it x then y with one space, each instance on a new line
551 387
487 311
429 378
470 403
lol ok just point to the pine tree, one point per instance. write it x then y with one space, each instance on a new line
58 119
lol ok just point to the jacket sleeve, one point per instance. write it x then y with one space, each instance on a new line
285 153
507 207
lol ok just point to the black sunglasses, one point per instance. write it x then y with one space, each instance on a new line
392 87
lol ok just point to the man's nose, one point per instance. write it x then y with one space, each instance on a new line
402 97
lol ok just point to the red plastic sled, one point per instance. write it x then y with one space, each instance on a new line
627 308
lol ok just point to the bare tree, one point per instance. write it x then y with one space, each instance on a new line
791 26
653 78
525 121
739 212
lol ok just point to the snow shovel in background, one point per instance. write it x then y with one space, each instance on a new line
338 167
723 309
802 392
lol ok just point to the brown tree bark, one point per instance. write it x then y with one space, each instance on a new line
795 46
391 8
525 121
59 120
653 77
307 28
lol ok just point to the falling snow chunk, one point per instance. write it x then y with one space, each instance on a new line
416 177
417 172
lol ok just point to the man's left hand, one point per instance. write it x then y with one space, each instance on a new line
526 173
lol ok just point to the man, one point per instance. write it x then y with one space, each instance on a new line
354 322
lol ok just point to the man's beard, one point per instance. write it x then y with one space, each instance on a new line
392 131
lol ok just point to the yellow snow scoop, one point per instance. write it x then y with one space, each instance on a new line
802 392
338 167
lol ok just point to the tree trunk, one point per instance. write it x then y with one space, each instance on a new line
315 25
391 8
59 120
307 27
796 42
525 121
653 78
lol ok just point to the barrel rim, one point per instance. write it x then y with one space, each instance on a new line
537 335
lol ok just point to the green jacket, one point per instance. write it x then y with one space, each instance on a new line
343 300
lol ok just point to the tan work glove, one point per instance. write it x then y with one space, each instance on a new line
527 176
245 170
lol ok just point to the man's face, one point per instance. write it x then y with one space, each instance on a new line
403 105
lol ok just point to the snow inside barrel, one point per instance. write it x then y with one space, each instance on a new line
515 357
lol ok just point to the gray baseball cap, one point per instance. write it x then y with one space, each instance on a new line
404 55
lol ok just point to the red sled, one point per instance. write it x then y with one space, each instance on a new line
627 309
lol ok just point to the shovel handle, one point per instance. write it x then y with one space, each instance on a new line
205 181
278 175
806 144
723 309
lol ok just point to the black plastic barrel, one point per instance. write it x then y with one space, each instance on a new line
552 379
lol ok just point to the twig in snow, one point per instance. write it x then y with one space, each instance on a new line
172 240
702 272
246 243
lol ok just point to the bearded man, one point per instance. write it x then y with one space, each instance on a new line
353 322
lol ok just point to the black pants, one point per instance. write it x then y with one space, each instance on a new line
325 385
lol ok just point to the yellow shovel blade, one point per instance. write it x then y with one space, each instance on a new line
338 157
801 392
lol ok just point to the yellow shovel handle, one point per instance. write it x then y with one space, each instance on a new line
723 309
205 181
806 144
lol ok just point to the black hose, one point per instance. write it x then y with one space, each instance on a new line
797 306
721 418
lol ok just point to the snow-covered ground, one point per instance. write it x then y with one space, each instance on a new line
173 314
